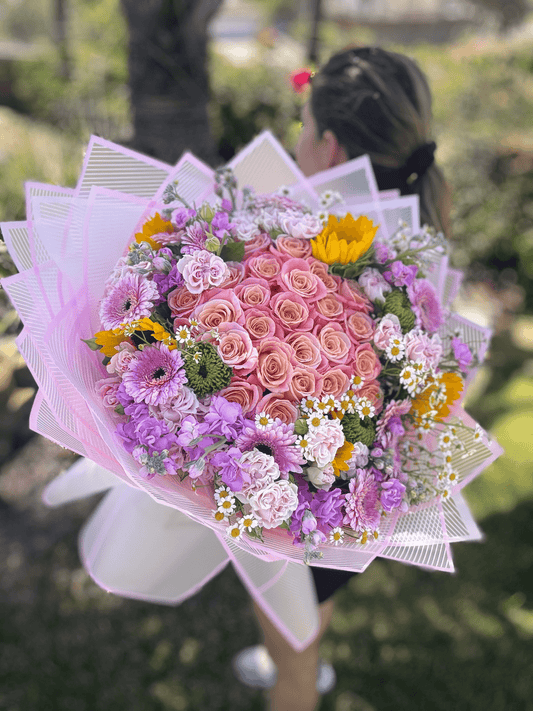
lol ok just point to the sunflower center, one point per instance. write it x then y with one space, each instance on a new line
159 373
264 448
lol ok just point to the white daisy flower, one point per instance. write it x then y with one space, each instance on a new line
263 421
446 440
408 376
356 382
336 536
453 478
235 531
194 323
222 493
395 350
248 522
183 334
365 408
227 506
219 515
307 404
197 357
303 443
316 419
478 434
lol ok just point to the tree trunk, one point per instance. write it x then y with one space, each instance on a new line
169 82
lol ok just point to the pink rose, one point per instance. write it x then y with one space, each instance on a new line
107 390
420 346
329 308
244 392
305 382
225 308
182 302
260 325
236 349
324 441
253 293
235 275
278 407
360 327
387 329
274 366
335 383
202 269
119 362
330 281
293 246
275 503
265 266
258 243
296 277
306 349
335 344
354 297
291 311
366 362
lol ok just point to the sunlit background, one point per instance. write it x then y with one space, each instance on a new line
401 638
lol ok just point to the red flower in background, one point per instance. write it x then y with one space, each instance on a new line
300 79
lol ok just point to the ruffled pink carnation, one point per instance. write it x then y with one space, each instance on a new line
374 285
260 470
421 347
301 226
387 329
107 390
176 409
275 503
120 361
324 441
201 270
425 305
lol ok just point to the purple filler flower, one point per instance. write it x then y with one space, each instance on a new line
401 274
382 252
231 469
224 418
156 375
132 298
425 305
391 494
462 353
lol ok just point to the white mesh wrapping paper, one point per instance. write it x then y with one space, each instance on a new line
64 253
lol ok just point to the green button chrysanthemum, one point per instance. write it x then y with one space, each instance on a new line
398 304
359 430
206 373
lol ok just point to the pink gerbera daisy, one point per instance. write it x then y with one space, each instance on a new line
276 440
155 375
131 298
362 503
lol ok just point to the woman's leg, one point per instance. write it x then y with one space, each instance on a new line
295 688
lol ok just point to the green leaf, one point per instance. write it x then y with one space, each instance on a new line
233 252
91 342
119 409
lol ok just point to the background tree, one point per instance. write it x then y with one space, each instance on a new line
168 76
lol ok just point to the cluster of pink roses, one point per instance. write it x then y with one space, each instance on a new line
285 325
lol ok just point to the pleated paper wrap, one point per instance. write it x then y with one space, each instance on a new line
154 540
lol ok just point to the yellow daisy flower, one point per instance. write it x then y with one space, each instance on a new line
108 340
343 455
155 226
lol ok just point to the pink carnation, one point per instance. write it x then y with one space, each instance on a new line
275 503
387 329
421 347
425 305
324 441
201 270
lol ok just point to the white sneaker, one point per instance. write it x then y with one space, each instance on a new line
254 667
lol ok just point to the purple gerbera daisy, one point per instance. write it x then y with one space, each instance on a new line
131 298
276 440
362 503
155 375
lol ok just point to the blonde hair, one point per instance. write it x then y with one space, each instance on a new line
379 103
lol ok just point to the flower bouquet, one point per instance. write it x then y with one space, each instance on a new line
276 362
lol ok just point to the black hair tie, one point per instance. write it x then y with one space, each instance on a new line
417 164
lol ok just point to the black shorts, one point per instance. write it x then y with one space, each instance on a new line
329 580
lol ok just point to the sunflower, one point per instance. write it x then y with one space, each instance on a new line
155 226
345 240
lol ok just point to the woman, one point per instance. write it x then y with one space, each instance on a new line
363 101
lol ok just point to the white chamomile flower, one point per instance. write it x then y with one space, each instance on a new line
183 334
356 382
478 434
446 440
235 531
215 335
263 421
302 442
316 419
395 350
284 191
365 408
323 216
227 505
194 323
427 421
248 522
336 536
418 367
453 478
445 492
448 461
219 515
307 404
322 406
222 492
190 342
408 378
197 357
